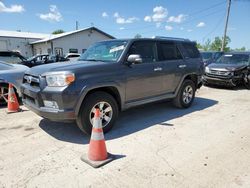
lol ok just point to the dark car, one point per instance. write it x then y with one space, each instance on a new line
209 57
113 76
231 69
12 57
10 73
42 59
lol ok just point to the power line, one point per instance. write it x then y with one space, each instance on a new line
214 29
208 8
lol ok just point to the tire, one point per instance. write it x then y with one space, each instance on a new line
103 101
188 89
4 94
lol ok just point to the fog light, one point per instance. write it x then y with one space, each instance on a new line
50 104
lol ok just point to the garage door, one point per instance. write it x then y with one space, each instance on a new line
3 45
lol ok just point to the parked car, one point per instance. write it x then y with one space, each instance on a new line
113 76
57 58
231 69
12 57
72 56
43 59
10 73
209 57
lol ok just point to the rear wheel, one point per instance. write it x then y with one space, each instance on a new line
186 95
108 111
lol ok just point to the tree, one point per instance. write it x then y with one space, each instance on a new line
240 49
216 44
207 45
137 36
199 46
58 31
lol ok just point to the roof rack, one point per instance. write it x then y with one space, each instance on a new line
170 38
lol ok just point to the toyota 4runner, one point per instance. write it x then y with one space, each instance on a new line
113 76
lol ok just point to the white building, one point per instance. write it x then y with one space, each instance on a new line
19 41
29 44
70 42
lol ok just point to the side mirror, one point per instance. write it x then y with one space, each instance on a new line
134 59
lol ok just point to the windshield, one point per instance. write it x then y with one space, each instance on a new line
234 59
206 55
104 51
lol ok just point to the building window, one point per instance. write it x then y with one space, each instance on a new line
73 50
58 51
49 51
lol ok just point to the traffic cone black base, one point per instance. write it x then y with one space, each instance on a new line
12 112
97 164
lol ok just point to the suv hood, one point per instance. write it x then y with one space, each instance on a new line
63 66
226 67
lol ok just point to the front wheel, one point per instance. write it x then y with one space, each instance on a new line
4 94
108 111
186 94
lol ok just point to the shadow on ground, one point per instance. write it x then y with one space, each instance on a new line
129 122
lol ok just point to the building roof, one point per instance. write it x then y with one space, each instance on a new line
52 37
17 34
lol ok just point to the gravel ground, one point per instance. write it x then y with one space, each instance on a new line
157 145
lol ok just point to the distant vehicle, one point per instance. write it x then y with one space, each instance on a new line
57 58
36 60
72 56
10 73
231 69
113 76
43 59
12 57
210 56
40 59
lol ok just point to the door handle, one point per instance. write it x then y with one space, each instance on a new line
157 69
182 66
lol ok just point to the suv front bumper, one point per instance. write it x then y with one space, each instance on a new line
227 81
33 98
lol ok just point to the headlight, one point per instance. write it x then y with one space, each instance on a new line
59 79
207 70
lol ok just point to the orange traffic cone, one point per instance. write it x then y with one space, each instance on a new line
13 105
97 154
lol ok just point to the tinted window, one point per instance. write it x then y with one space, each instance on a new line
145 49
168 51
191 50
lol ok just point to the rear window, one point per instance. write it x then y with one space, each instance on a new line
192 51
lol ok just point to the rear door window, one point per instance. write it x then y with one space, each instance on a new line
191 50
168 51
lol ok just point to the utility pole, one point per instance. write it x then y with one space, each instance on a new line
76 25
225 31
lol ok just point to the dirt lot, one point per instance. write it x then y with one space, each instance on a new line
207 145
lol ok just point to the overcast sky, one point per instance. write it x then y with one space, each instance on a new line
194 19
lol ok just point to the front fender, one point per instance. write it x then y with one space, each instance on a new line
88 88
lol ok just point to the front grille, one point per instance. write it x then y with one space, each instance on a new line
222 73
218 74
31 80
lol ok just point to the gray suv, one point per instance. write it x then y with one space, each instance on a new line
113 76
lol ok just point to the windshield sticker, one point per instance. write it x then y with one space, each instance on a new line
118 48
